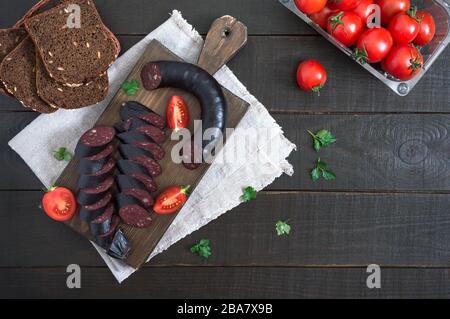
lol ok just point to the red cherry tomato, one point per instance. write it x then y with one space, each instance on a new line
404 27
177 113
374 45
403 62
344 5
427 28
59 204
310 6
345 27
321 18
171 200
363 10
390 8
311 76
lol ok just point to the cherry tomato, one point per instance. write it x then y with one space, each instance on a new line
311 76
344 5
403 62
427 28
177 114
171 200
310 6
59 204
345 27
404 27
374 45
364 11
321 18
390 8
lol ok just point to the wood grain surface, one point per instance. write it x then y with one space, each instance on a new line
389 204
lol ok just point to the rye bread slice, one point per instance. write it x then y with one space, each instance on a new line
73 56
18 73
66 97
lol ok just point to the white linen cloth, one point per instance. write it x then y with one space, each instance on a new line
63 128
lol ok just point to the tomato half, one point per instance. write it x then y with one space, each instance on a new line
427 28
177 114
171 200
345 27
59 204
344 5
390 8
311 76
363 10
310 6
403 62
321 18
404 27
374 45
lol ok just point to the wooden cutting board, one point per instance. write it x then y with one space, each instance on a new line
226 37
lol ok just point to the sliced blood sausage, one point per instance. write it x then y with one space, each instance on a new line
149 182
89 215
88 181
102 224
87 167
142 195
108 168
120 247
125 182
135 109
154 149
88 196
103 154
94 141
100 204
105 240
123 126
126 200
129 167
135 216
200 83
156 134
131 137
153 168
129 151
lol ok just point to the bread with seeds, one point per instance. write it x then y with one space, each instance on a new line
73 55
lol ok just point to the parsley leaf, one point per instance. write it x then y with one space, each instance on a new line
130 87
62 154
323 138
282 228
249 194
202 249
322 170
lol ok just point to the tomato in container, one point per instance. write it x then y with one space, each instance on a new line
390 8
310 6
344 5
404 27
364 10
373 45
427 28
345 27
321 18
403 62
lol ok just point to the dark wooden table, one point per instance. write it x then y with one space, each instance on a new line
390 204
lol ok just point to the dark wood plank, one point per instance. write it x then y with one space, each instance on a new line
248 282
328 229
373 153
267 67
141 16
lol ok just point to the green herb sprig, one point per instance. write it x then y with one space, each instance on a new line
130 87
202 248
62 154
282 228
322 138
249 193
322 170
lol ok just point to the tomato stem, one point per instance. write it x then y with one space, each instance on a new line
317 89
336 20
412 12
361 55
185 189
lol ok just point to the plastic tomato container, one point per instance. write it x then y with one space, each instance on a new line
440 9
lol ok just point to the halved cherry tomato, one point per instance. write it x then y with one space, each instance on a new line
427 28
310 6
311 76
404 27
403 62
171 200
344 5
363 10
321 18
177 114
345 27
390 8
373 45
59 204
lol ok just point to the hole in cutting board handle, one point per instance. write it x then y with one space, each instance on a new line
226 32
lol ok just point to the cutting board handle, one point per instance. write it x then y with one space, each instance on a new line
225 38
